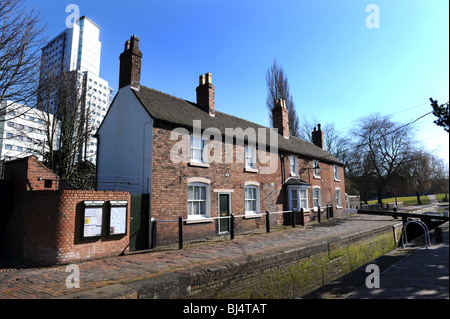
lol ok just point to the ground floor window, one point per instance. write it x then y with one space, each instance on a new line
316 197
251 203
298 198
198 200
338 198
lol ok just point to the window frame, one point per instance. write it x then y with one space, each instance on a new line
316 171
250 165
295 164
336 173
319 197
256 200
302 197
207 201
338 198
203 155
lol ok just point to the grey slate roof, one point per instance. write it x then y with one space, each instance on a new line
296 181
164 107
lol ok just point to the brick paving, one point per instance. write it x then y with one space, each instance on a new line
43 283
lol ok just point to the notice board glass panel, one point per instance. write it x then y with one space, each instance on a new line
118 221
93 221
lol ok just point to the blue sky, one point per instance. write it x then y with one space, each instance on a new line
338 69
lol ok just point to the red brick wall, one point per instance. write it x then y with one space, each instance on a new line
46 228
46 224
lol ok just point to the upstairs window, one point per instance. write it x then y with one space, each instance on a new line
316 169
294 165
250 157
197 147
336 173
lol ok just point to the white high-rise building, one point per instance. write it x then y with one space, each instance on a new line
22 131
78 49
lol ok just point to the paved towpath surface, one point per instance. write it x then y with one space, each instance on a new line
413 272
41 283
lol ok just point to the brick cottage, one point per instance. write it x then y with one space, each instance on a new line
199 163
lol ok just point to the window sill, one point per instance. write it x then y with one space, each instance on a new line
293 174
198 164
198 220
251 170
337 180
252 215
316 177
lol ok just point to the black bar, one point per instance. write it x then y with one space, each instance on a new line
180 232
293 218
231 227
302 217
318 209
153 245
267 222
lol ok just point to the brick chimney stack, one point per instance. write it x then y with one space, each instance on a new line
206 94
281 118
130 64
317 137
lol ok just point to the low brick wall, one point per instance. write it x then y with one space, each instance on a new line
45 219
46 228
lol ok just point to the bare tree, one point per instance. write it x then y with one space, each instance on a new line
278 88
20 47
62 98
336 143
383 149
418 173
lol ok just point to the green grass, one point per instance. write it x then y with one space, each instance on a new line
408 201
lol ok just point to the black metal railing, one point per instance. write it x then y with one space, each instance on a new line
180 231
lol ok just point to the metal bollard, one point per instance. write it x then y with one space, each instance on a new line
231 227
267 222
302 217
180 232
293 218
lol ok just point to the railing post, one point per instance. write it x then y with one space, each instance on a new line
231 226
180 232
153 243
293 218
318 210
302 217
267 222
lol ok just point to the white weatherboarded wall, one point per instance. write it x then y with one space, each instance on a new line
125 146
